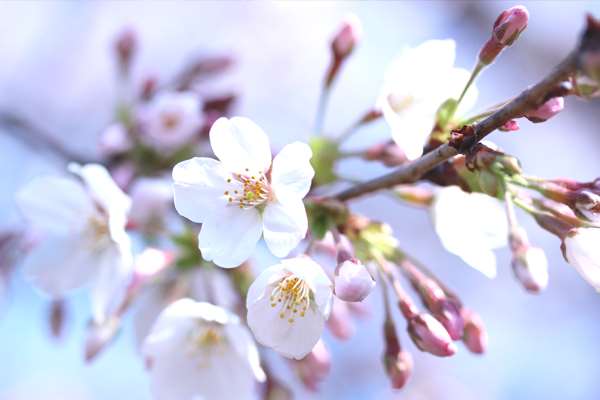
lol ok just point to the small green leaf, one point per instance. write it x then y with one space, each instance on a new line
445 113
325 153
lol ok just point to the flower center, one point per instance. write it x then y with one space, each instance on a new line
247 189
204 341
292 294
99 233
170 120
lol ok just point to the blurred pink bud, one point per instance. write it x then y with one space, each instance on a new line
149 87
114 140
313 368
98 336
125 47
347 37
151 199
547 110
490 51
530 266
448 312
123 174
340 321
345 250
57 317
151 261
510 24
510 126
389 153
429 335
587 203
399 368
475 336
352 281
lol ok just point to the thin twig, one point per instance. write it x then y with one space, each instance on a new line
528 99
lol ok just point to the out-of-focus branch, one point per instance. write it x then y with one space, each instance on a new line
466 137
35 137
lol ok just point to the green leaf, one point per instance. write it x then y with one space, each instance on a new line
445 113
325 153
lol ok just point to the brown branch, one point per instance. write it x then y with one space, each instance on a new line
468 136
36 138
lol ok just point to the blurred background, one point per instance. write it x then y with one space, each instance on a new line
58 71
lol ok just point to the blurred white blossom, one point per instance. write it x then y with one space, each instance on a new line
151 200
470 225
197 350
170 120
581 249
288 305
243 196
83 239
417 82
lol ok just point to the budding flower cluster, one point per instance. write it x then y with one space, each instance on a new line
507 28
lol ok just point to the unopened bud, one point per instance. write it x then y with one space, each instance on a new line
98 336
125 47
149 87
510 24
398 368
347 37
530 266
547 110
57 318
448 312
429 335
475 336
313 368
340 323
352 281
507 28
389 153
587 203
510 126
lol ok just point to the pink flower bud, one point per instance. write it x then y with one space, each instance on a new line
313 368
510 24
98 336
587 203
530 266
510 126
475 337
429 335
125 47
57 317
114 140
448 312
399 369
547 110
340 322
347 37
352 281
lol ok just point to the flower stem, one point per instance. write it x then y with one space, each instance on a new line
321 110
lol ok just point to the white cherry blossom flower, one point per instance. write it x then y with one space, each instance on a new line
288 305
83 238
170 120
416 84
243 195
581 248
197 350
470 225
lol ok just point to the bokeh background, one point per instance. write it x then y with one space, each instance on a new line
57 70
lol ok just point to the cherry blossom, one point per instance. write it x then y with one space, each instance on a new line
197 350
243 195
83 239
288 305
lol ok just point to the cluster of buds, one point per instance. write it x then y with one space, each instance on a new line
507 28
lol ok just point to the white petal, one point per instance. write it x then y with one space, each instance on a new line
55 205
102 187
582 251
241 340
284 226
59 264
199 186
470 225
114 270
230 239
292 172
292 340
239 143
411 128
